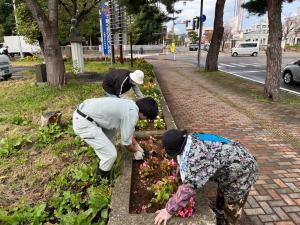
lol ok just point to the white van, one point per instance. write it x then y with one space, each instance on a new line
245 48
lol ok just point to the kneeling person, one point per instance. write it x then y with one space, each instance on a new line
204 157
96 121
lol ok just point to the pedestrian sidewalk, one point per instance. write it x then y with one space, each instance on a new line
270 132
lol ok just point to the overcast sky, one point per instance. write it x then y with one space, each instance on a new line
192 9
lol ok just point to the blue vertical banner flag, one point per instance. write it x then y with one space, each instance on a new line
105 32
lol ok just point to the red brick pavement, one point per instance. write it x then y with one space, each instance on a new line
198 104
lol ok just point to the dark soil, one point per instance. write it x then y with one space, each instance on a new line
86 77
139 195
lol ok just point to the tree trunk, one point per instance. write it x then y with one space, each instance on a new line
54 61
48 25
213 53
274 53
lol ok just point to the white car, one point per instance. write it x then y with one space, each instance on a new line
246 48
5 67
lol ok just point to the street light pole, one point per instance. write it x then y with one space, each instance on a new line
200 34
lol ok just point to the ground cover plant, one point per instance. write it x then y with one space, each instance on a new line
155 180
150 89
47 175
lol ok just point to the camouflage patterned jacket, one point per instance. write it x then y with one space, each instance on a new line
220 160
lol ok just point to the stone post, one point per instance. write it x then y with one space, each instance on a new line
76 47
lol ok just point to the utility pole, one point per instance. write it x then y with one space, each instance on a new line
19 40
200 34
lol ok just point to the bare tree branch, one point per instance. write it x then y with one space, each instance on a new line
66 7
38 14
85 11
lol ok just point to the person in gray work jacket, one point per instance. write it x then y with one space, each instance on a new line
204 157
96 120
119 81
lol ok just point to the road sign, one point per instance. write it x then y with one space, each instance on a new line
202 18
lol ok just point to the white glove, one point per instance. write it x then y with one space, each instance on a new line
140 149
139 154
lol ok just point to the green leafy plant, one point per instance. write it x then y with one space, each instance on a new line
142 124
18 120
163 189
159 123
10 145
47 135
24 214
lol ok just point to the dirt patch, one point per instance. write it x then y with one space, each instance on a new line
25 176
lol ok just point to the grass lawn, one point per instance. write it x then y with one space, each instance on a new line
48 174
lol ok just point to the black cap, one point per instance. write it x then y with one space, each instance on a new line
148 107
174 141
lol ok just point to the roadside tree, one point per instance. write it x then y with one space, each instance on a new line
193 36
274 52
47 21
213 52
7 20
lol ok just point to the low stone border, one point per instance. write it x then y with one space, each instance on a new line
121 192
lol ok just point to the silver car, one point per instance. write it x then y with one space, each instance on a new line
291 72
5 67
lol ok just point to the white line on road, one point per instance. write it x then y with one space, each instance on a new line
284 89
252 71
223 64
239 65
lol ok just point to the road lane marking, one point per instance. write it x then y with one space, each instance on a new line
252 71
284 89
236 64
223 64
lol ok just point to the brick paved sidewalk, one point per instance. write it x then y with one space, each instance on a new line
272 135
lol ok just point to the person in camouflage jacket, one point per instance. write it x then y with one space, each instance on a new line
208 157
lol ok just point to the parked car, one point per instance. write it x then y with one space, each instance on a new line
246 48
291 72
193 47
5 67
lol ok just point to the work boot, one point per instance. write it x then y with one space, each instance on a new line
101 174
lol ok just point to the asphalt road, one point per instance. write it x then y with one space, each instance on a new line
248 67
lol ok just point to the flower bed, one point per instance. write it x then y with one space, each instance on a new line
141 184
153 179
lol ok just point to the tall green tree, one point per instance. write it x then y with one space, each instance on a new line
148 18
274 52
148 22
7 20
193 36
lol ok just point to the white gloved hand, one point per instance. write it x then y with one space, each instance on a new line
138 155
140 149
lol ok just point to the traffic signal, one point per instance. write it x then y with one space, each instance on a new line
194 24
187 23
198 22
